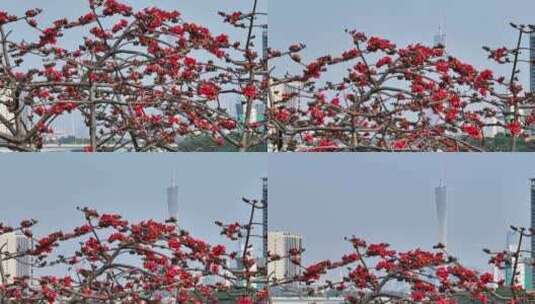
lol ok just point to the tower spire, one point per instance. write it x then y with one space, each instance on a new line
443 178
440 37
172 200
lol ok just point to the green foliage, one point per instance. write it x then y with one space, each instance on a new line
205 143
503 143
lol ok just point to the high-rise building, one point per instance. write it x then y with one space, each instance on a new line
532 62
265 226
533 223
532 71
442 212
10 244
289 96
255 115
492 129
4 97
523 275
260 109
172 200
498 274
291 90
280 244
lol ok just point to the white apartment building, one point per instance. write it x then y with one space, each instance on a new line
4 97
11 243
278 92
280 243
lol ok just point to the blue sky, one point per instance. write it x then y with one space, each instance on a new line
320 24
204 12
390 198
468 24
325 197
50 186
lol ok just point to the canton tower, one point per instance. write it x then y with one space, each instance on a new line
172 200
441 200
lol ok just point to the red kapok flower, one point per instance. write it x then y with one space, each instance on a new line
400 144
209 90
244 300
472 131
250 91
515 128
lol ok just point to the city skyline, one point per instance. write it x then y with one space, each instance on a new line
417 21
409 220
267 151
129 196
389 199
133 187
203 12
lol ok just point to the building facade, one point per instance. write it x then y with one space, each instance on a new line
284 91
4 98
533 225
524 273
491 129
532 70
10 244
257 112
280 243
287 95
265 216
532 62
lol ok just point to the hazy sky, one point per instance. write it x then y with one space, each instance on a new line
390 198
320 24
325 197
468 24
49 187
204 12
